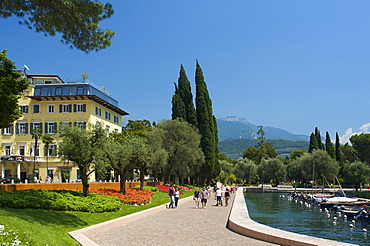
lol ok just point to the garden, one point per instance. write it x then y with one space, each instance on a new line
41 217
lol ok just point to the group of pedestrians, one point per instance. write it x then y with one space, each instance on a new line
201 197
174 195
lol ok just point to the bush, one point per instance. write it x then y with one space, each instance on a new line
59 200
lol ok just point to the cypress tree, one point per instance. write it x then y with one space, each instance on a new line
329 146
207 127
337 148
319 140
182 100
178 107
313 143
187 97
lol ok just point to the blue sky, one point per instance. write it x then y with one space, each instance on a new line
294 65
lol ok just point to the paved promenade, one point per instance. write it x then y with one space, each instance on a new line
184 225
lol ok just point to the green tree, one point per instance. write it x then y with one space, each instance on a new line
361 143
337 148
82 146
117 154
181 141
253 154
47 139
356 173
76 21
313 143
36 134
184 109
319 140
11 86
158 155
271 169
297 153
348 153
207 128
317 164
246 170
329 146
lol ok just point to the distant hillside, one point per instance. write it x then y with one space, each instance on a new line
234 127
234 148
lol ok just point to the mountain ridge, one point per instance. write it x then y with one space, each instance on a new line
234 127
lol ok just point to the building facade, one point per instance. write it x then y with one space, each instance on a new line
48 102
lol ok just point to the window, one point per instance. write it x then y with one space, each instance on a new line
116 119
80 124
58 91
22 128
116 130
107 115
80 90
35 151
51 151
79 108
107 130
51 108
36 125
98 111
7 150
78 174
8 130
65 108
48 82
23 109
50 127
22 150
51 174
36 109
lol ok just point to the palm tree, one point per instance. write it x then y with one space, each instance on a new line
47 139
36 134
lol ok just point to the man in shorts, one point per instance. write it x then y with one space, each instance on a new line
204 195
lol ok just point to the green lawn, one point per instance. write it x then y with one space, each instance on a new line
45 227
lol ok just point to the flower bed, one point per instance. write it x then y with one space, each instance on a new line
183 187
165 188
132 196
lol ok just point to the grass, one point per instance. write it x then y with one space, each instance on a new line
46 227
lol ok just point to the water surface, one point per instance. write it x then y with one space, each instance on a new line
274 210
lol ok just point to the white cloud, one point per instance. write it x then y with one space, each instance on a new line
365 128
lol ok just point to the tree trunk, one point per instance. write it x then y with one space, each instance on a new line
85 185
142 179
122 183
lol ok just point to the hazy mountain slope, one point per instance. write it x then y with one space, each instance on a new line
234 148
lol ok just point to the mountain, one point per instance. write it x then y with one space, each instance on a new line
234 148
234 127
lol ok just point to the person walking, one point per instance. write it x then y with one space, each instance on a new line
204 197
196 197
219 192
177 196
171 194
227 197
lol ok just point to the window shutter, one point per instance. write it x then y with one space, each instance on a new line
46 128
40 126
84 125
83 107
26 109
12 129
60 108
2 130
69 108
26 128
31 128
55 150
17 128
74 108
55 127
45 151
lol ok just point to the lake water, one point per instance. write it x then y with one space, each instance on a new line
279 212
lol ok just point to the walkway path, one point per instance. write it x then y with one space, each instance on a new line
184 225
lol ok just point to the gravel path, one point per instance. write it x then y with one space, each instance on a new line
184 225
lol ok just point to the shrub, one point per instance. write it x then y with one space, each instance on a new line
59 200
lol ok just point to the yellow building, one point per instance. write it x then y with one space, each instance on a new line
48 102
